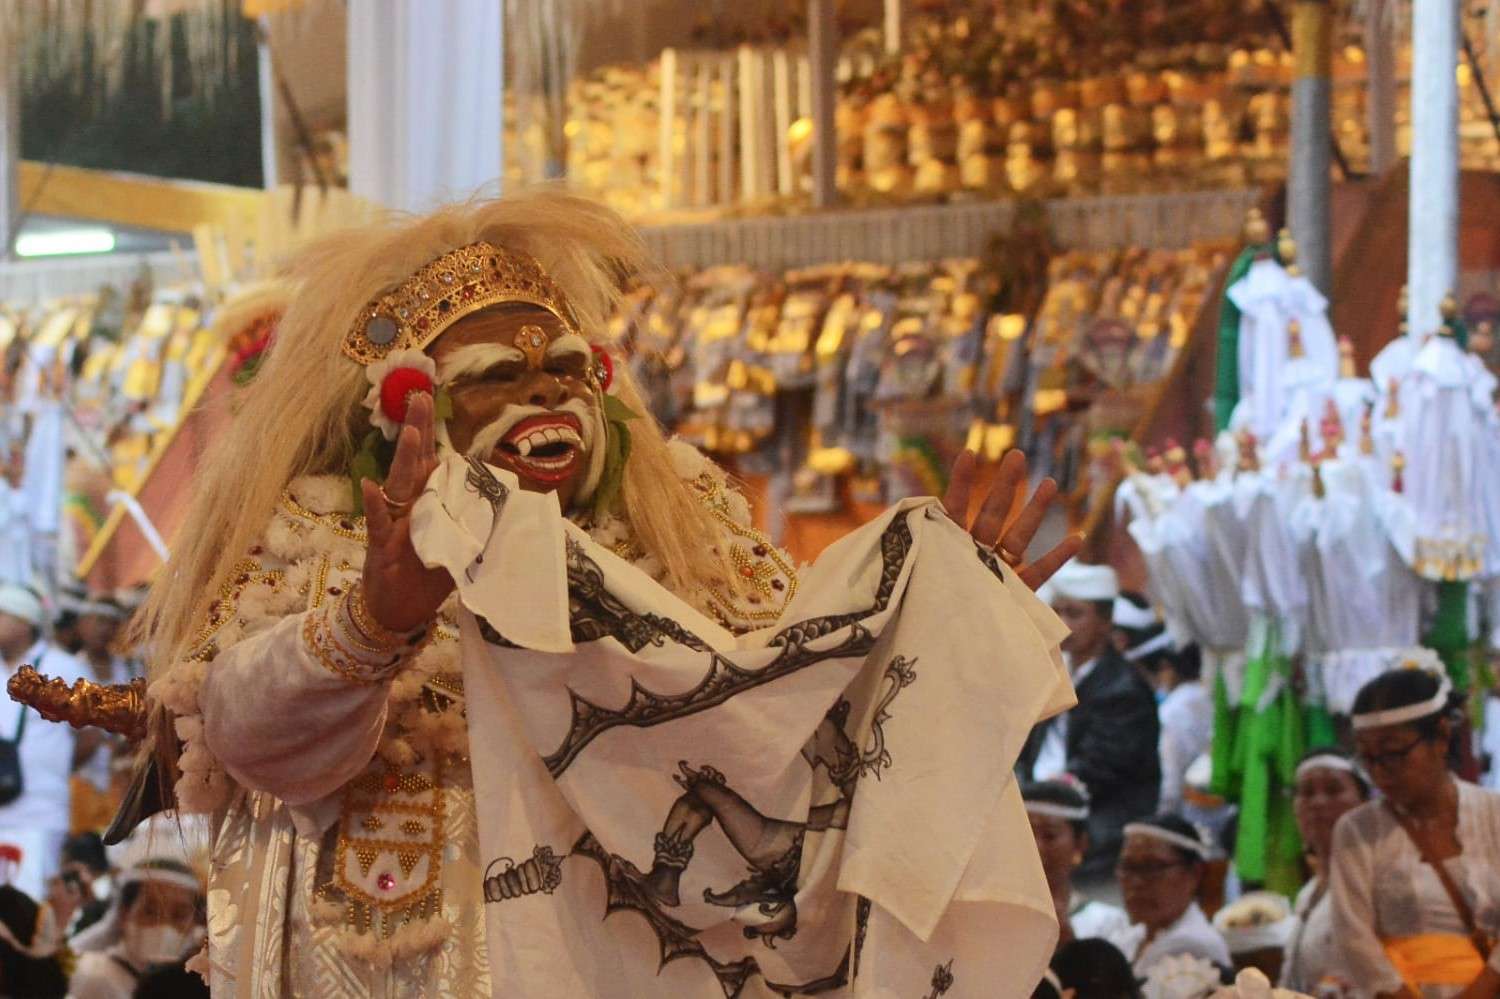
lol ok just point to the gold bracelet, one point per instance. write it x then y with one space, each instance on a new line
344 617
318 636
372 629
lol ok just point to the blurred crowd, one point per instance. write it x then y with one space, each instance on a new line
1401 856
76 918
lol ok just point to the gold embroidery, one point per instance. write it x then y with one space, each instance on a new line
757 572
245 574
318 635
318 585
384 795
448 683
763 565
344 525
393 781
628 550
372 823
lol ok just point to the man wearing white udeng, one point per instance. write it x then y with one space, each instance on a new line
634 752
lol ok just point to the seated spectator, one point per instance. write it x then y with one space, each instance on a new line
30 943
34 816
156 921
1138 635
100 620
1094 969
1327 785
84 858
1059 813
1187 720
1109 740
1161 869
1257 928
1416 875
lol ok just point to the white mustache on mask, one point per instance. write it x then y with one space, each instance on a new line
494 432
590 419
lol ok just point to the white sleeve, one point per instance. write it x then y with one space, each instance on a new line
1362 958
297 710
1173 766
91 979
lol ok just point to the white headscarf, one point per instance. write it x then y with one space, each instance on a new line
1082 581
18 601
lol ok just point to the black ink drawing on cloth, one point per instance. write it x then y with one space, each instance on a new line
596 614
942 980
770 847
542 873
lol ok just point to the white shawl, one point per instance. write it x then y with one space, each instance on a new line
824 805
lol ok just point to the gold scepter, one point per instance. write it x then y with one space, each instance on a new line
119 708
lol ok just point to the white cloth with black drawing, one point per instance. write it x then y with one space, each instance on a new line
825 805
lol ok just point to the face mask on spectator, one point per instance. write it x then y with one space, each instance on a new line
156 944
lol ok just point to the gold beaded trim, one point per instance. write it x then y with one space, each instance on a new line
759 565
344 525
246 573
410 801
366 625
320 635
456 284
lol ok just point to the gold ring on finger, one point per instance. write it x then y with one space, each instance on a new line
397 509
1007 556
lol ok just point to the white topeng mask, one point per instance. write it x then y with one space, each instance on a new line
160 944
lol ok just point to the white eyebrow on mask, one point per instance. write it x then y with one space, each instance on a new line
569 343
476 359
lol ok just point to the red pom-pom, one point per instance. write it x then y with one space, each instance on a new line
395 389
604 365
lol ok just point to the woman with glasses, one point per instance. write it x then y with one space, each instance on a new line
1326 786
1059 814
1160 870
1416 876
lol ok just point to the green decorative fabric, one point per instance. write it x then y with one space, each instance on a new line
1459 330
1318 724
1449 636
1226 716
1268 741
1227 378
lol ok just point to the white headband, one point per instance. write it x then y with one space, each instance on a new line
1410 712
1146 648
1324 761
1167 836
162 875
1126 614
1073 813
17 601
99 609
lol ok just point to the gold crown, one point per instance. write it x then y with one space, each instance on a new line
459 283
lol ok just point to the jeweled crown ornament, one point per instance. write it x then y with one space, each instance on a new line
456 284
